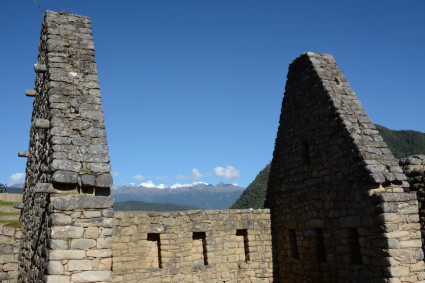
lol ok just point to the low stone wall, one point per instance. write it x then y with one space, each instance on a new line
10 238
193 246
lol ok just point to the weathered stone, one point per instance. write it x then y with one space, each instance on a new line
88 180
91 276
42 123
58 279
23 153
55 267
67 232
104 181
65 177
67 165
31 92
80 265
66 254
72 203
82 244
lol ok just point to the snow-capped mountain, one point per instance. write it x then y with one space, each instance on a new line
197 194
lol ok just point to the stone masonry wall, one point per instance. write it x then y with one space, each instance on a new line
414 168
67 211
194 246
336 193
10 238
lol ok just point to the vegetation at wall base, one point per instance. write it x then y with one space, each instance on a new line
402 143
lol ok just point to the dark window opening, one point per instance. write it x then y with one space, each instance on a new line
154 251
354 246
199 248
320 246
293 246
305 152
244 234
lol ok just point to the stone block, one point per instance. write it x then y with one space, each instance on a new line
65 177
91 233
66 254
350 221
67 165
82 202
80 265
104 181
99 253
91 276
67 232
58 279
55 267
82 244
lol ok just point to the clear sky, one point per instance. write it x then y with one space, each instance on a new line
192 89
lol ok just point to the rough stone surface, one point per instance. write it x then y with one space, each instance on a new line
336 193
68 167
165 247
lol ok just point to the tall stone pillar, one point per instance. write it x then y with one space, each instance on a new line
67 214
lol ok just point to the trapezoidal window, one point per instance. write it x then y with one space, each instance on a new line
153 255
305 153
353 244
199 248
320 246
242 248
293 245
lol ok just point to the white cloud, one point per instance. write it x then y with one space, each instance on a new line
196 174
161 177
181 177
115 174
229 172
16 178
138 177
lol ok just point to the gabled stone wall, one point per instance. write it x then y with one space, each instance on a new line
336 193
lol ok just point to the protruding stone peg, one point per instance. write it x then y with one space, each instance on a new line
23 153
39 68
30 92
47 188
42 123
18 205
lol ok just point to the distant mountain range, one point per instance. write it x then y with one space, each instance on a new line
196 195
402 143
133 205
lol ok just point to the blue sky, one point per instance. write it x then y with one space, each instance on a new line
192 89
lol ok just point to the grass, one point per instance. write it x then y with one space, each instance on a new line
6 203
11 223
8 213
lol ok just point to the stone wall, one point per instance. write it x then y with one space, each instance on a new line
9 250
336 193
414 168
194 246
67 212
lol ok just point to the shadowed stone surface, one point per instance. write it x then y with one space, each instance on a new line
336 193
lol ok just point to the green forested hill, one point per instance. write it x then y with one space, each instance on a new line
402 144
255 194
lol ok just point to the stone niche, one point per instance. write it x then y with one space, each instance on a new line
337 196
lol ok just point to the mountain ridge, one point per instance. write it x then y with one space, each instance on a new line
402 143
